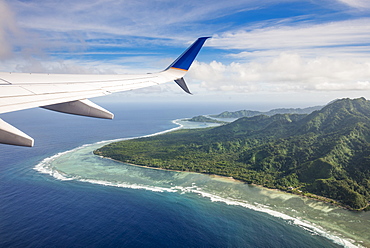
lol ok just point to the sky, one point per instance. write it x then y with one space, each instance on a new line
288 53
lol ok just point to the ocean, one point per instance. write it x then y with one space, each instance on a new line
58 194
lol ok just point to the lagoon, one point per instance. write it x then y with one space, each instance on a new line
314 222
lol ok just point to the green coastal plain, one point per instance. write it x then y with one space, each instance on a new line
323 155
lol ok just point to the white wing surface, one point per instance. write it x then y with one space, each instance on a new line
68 93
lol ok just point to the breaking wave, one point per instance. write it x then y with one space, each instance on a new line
46 166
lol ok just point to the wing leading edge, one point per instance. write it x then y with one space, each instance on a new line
68 93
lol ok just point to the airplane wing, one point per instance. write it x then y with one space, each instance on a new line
68 93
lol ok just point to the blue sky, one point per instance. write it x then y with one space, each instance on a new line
287 52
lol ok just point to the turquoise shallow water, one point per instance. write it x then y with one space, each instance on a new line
312 218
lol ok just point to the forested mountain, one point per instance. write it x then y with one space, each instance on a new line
251 113
326 153
202 118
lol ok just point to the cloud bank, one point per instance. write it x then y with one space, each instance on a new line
293 57
287 72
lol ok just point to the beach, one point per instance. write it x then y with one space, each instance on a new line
318 218
82 200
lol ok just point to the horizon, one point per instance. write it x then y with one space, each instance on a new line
263 56
280 52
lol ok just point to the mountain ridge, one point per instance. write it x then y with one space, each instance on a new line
326 152
251 113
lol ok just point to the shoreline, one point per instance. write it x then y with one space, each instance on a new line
293 191
158 168
332 234
311 226
302 223
231 179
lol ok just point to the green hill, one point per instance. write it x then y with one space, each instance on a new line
251 113
326 153
202 118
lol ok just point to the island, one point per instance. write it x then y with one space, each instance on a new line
202 118
251 113
324 154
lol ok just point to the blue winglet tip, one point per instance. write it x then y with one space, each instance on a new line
184 61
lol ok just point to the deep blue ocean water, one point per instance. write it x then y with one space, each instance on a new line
36 210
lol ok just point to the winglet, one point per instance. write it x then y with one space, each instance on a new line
184 61
181 82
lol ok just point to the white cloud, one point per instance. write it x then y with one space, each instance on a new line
273 55
287 72
334 37
358 4
299 57
8 28
82 25
73 22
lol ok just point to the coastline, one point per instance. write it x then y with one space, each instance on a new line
302 223
309 225
231 179
294 191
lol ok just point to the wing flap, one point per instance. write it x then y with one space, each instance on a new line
13 136
8 91
82 107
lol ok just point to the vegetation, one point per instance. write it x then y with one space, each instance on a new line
202 118
325 154
251 113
